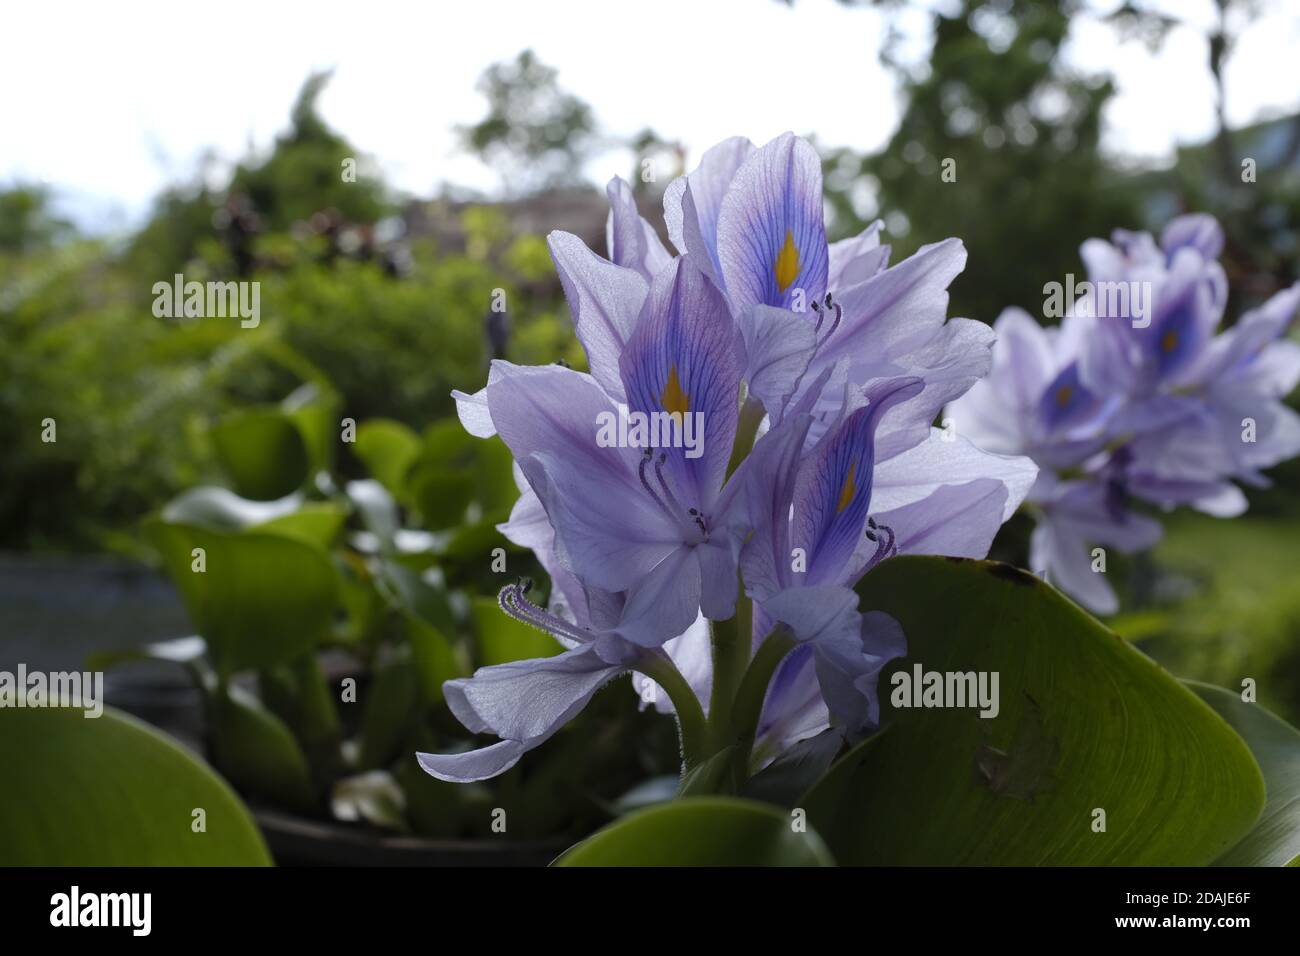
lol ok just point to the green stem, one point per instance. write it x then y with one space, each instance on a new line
753 691
732 641
690 715
751 416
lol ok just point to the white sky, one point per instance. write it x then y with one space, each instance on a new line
108 102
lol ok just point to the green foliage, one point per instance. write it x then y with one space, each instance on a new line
1086 723
701 831
304 173
111 791
535 134
995 106
1275 838
27 221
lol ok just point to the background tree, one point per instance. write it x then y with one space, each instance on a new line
535 135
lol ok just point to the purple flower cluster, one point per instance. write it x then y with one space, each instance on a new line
816 371
1138 397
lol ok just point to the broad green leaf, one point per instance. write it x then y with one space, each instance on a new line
389 707
418 591
261 599
1085 723
256 751
703 831
111 791
502 639
441 494
387 449
378 510
220 509
1275 838
314 411
436 658
317 523
262 451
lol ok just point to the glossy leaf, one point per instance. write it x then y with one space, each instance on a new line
111 791
256 751
261 599
703 831
262 451
1086 725
1275 838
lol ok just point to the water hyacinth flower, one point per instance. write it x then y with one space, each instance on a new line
816 370
1120 408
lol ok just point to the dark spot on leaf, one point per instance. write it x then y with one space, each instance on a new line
1027 767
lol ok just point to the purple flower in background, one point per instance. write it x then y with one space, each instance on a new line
816 371
1147 402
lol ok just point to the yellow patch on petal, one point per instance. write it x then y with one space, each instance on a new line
675 401
1169 341
849 490
1063 395
786 268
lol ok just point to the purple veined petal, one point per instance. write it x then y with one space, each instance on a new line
763 489
957 520
794 708
949 365
475 416
833 490
816 613
771 234
663 602
936 462
605 301
857 259
1198 231
473 765
524 700
609 529
609 535
779 345
632 242
691 215
898 310
524 703
529 527
681 370
1060 553
551 409
849 648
